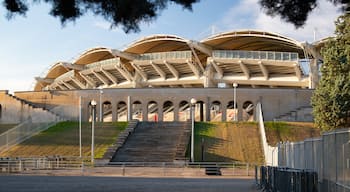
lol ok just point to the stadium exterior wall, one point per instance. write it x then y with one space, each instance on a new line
275 102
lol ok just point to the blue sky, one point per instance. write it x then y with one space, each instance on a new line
30 45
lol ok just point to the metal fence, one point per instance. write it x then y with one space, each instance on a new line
82 166
287 180
22 132
329 156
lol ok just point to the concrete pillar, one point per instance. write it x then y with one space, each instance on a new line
313 74
223 112
240 111
176 111
209 76
201 111
129 106
160 113
144 109
207 110
114 111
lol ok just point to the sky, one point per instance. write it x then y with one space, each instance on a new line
30 45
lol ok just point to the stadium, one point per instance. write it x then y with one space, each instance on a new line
159 74
161 83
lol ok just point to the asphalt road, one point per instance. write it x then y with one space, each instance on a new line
121 184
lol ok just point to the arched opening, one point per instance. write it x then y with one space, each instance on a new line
168 111
215 111
184 111
122 111
152 111
248 111
231 111
107 111
137 110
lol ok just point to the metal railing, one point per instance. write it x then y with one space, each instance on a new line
107 62
287 180
166 55
82 166
270 153
22 132
260 55
329 156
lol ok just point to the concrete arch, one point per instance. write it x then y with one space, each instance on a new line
152 111
184 110
248 111
107 111
168 111
121 111
137 111
216 111
230 110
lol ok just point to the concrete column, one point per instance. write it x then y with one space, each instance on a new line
176 111
209 76
201 111
114 111
240 110
207 110
129 106
160 113
313 74
144 109
223 112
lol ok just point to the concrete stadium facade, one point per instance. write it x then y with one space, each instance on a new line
159 74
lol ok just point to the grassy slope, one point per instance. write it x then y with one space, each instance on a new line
228 142
289 131
63 139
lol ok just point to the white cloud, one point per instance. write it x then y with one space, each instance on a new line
107 26
248 14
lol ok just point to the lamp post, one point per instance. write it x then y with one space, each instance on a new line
101 92
80 151
193 102
235 85
93 104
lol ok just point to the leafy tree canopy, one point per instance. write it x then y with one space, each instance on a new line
296 11
331 99
130 13
127 13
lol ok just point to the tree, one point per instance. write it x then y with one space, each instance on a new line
296 11
127 13
130 13
331 99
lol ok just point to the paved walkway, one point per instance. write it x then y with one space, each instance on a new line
31 183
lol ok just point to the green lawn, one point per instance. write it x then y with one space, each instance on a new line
227 142
63 139
289 131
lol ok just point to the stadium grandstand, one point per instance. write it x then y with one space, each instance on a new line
250 58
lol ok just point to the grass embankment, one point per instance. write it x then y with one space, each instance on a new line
5 127
227 142
289 131
63 139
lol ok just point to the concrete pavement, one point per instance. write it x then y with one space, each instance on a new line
20 183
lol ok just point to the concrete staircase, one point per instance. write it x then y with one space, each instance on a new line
301 114
154 142
31 105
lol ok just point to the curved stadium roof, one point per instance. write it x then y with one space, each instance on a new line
249 57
